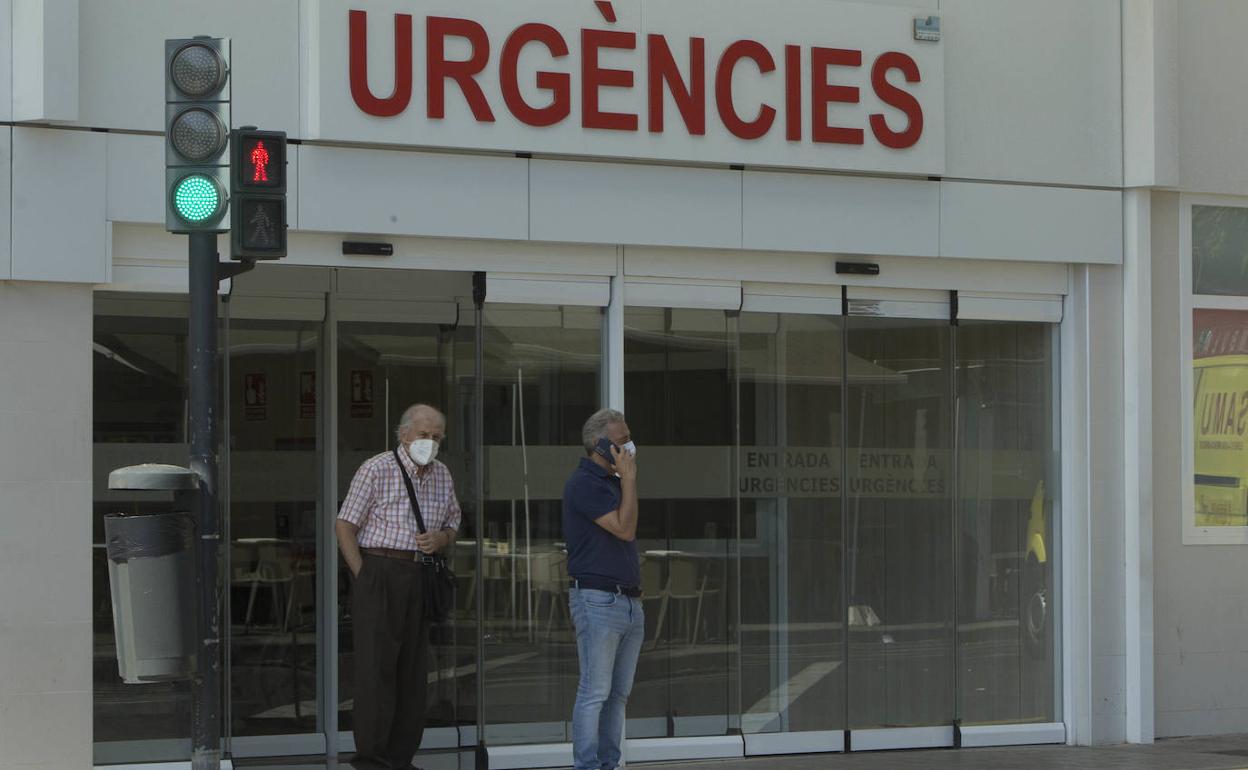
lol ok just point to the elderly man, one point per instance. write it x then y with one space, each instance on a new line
600 527
383 547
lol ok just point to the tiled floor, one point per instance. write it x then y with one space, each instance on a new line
1217 753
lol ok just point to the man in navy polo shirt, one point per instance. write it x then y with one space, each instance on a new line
600 527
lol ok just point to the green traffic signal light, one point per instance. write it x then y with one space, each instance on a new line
198 198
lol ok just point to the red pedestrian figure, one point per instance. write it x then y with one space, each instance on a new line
260 161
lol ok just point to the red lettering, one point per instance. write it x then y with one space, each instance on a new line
742 49
690 99
398 99
821 94
559 84
793 93
438 69
895 97
594 78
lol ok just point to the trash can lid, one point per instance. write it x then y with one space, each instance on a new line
152 476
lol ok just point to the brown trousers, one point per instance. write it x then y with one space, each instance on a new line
391 659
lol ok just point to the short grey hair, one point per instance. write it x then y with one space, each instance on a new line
596 426
408 420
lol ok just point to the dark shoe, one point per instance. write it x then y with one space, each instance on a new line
361 762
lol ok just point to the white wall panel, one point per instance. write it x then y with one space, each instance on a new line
820 270
1213 105
136 178
1150 97
59 231
529 289
292 186
45 59
986 221
849 215
45 475
6 212
660 292
983 306
1201 671
642 204
6 62
1106 504
1033 90
140 245
122 78
412 193
364 283
758 297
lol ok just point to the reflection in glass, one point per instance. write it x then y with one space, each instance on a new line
383 368
1007 462
1220 250
1220 386
274 493
791 617
139 415
542 380
899 524
679 378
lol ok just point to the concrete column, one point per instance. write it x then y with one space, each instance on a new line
45 544
1138 461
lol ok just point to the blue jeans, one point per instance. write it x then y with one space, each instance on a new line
609 631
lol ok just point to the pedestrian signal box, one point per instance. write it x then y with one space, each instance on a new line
258 194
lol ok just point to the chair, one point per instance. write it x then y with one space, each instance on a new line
652 589
686 583
303 568
550 579
274 566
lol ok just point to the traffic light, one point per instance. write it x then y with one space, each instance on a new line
197 134
257 194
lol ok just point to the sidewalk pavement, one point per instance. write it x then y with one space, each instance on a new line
1226 752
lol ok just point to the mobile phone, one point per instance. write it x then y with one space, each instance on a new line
603 447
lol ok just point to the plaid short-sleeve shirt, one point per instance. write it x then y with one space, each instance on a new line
377 502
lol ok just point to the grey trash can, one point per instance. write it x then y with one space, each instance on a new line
151 571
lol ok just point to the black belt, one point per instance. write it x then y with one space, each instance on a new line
402 555
602 584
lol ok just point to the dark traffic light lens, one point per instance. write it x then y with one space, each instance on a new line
264 225
198 134
197 70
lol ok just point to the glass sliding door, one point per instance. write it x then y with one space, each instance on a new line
899 528
542 380
273 496
139 416
679 387
791 632
383 368
1007 485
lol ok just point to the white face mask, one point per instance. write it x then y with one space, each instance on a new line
423 450
629 447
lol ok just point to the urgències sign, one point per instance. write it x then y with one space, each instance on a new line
793 83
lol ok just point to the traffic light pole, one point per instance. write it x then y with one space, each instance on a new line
206 686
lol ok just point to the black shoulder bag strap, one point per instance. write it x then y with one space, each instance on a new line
439 592
411 494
